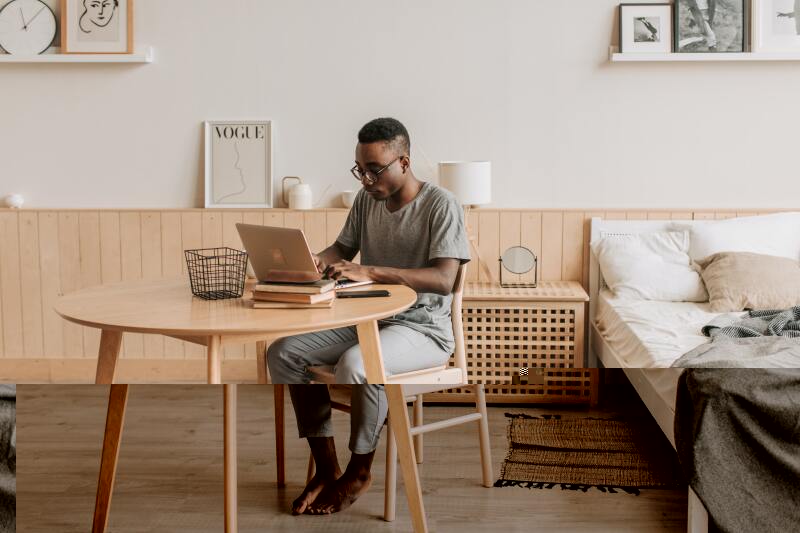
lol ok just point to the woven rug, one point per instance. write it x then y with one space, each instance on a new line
610 455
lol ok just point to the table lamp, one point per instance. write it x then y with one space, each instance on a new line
471 183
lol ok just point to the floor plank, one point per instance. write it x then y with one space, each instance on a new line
170 474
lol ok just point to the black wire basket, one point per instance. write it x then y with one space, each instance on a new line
216 273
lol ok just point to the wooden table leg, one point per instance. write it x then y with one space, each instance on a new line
370 344
398 418
231 508
214 354
280 435
261 362
117 398
110 342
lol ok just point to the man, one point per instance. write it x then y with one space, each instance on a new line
408 232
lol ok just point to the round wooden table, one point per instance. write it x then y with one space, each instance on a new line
169 308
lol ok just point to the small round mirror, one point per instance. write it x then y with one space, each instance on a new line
518 260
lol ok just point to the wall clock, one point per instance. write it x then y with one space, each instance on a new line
27 27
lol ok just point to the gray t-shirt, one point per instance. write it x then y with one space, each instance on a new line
428 227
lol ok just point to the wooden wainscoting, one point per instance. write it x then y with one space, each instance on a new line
45 253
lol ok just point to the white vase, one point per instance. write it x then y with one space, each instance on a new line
300 196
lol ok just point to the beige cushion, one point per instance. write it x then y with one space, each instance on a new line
736 281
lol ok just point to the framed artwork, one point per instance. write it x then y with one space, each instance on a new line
645 28
708 26
238 161
776 25
97 26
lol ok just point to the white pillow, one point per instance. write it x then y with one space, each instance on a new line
650 266
777 234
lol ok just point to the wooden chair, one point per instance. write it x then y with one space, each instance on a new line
414 386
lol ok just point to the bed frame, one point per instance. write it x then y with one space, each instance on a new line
600 352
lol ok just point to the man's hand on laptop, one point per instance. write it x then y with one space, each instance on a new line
346 269
321 266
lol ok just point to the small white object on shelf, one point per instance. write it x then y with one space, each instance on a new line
348 198
14 200
616 57
144 55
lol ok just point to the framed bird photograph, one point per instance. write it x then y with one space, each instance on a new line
776 26
97 26
645 28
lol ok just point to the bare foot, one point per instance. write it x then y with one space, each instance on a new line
312 490
341 494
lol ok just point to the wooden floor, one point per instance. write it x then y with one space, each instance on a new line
170 471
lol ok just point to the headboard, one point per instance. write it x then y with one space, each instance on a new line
601 228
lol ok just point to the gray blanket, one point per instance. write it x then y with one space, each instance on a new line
777 322
762 339
737 432
8 458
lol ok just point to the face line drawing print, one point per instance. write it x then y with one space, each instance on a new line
241 176
96 17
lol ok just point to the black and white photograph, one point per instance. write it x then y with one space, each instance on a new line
645 28
776 25
97 26
708 26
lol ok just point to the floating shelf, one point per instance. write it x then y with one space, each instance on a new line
617 57
145 55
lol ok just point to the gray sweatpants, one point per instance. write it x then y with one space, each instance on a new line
403 349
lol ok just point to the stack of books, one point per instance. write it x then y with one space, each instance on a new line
319 294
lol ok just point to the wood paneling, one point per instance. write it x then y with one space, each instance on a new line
70 262
31 285
47 253
50 262
89 241
10 293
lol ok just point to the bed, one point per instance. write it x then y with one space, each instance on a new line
643 338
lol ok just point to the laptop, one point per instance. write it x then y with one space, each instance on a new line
282 255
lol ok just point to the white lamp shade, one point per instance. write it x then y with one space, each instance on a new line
469 181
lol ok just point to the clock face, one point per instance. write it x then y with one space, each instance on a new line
27 27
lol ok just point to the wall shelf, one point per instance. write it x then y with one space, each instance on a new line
616 57
144 55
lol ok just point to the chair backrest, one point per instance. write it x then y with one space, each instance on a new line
459 353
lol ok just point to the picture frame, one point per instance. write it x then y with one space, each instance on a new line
711 26
645 28
238 163
776 26
96 26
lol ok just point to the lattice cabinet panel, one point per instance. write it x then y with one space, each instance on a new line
557 386
526 345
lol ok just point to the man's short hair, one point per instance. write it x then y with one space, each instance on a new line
386 130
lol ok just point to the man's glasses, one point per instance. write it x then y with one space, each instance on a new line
369 176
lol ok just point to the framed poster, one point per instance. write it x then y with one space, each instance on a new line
238 163
776 25
708 26
97 26
645 28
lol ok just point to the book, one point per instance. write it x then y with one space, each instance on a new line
315 287
283 305
292 298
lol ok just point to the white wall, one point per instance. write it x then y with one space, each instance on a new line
524 83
